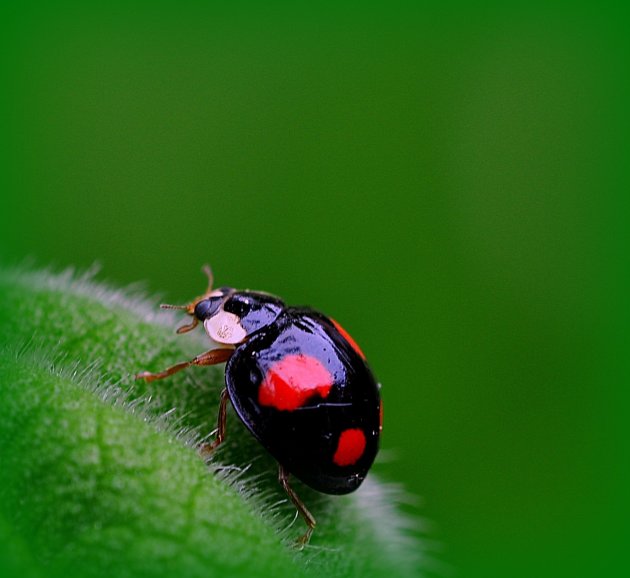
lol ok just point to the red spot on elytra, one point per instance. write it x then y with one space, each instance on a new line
350 448
380 417
348 338
292 381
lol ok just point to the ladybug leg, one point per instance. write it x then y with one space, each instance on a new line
283 478
187 327
206 449
211 357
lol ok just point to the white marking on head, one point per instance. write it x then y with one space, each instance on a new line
224 327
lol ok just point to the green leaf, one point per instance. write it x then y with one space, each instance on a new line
99 474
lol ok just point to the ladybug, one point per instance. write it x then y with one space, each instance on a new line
299 383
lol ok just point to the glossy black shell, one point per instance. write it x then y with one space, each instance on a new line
304 440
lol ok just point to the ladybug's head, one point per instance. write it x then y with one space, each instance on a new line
206 307
230 316
202 307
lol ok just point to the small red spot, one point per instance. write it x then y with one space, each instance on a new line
292 381
349 339
380 417
351 447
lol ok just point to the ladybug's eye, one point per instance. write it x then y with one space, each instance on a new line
207 307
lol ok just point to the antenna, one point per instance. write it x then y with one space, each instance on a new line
166 306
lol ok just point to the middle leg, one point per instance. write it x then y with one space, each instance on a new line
206 449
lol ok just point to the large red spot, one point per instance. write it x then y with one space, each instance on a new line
350 448
349 339
293 380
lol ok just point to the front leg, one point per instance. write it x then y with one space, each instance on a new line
212 357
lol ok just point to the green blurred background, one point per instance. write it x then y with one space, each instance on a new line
441 180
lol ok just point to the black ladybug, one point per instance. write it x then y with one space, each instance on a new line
298 382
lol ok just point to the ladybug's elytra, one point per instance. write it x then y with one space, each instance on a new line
299 383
